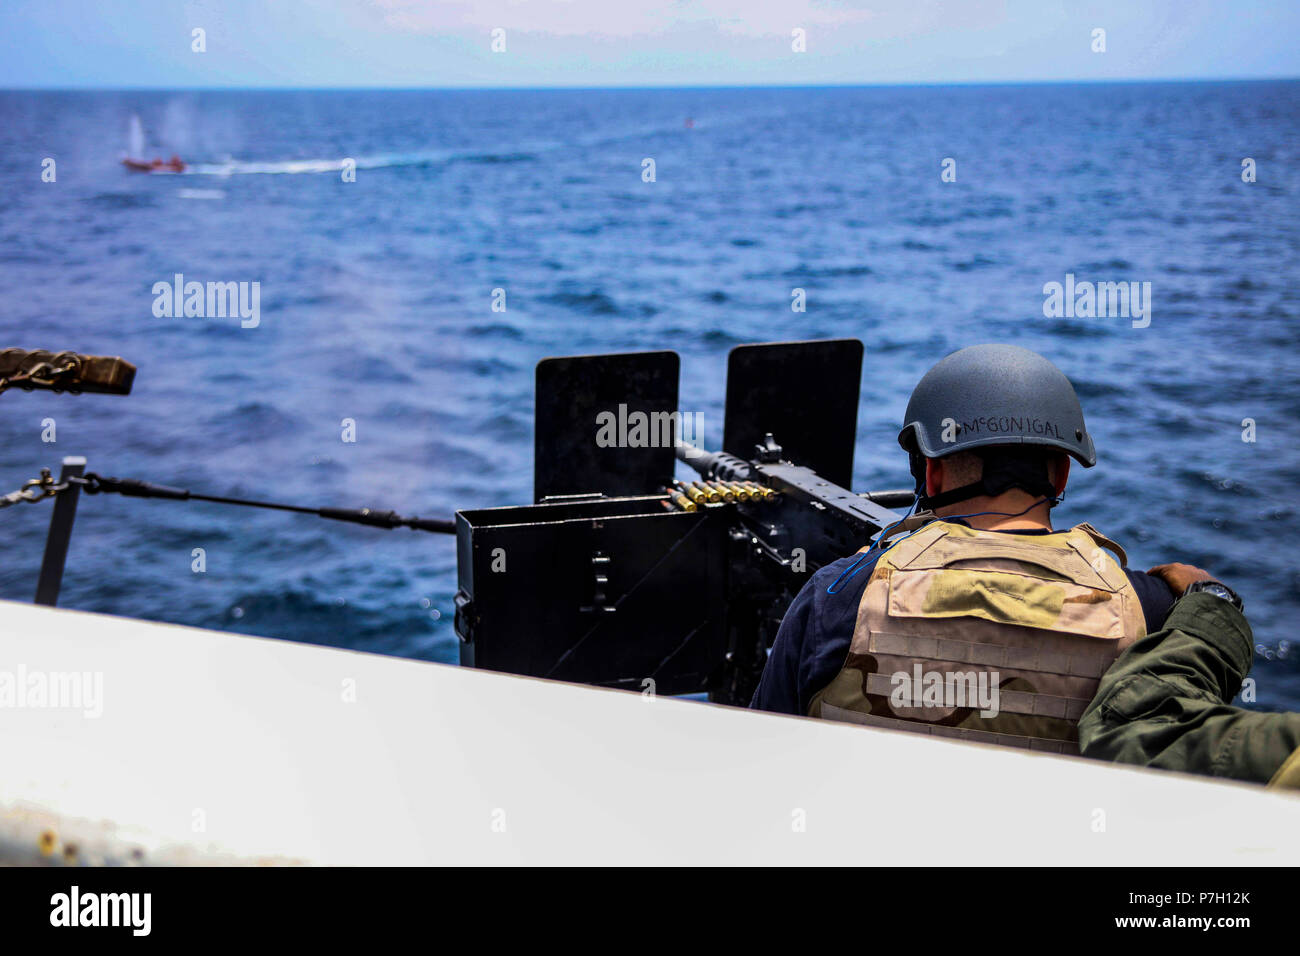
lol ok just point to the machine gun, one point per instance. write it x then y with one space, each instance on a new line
621 575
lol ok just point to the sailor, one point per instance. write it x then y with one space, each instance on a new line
1166 702
973 618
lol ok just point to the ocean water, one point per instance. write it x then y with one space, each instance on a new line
376 303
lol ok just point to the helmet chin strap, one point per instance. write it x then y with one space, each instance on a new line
1001 474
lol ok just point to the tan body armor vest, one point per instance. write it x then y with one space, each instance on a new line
987 636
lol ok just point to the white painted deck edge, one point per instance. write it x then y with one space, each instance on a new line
255 736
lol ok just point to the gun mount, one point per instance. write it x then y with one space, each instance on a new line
65 371
621 575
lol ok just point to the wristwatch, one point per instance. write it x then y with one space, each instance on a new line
1218 589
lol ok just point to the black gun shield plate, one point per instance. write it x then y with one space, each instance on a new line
571 393
805 394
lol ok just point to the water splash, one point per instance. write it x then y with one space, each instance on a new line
135 137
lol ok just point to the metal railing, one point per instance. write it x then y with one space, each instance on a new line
60 534
73 479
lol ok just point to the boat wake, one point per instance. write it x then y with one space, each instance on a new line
292 167
235 167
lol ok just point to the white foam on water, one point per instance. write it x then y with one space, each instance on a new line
235 167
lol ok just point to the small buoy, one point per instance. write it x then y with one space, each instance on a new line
690 123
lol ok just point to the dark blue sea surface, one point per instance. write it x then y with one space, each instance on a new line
376 306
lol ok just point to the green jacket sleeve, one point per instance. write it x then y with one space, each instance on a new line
1165 702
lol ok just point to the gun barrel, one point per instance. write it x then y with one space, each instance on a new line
892 498
719 465
714 464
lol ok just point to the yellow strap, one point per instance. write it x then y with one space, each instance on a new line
1288 775
910 523
1104 541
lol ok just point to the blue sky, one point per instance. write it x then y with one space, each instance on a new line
408 43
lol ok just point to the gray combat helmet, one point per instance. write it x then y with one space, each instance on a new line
995 395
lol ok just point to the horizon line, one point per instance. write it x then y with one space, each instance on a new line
1109 81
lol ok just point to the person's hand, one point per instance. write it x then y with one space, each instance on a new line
1180 577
